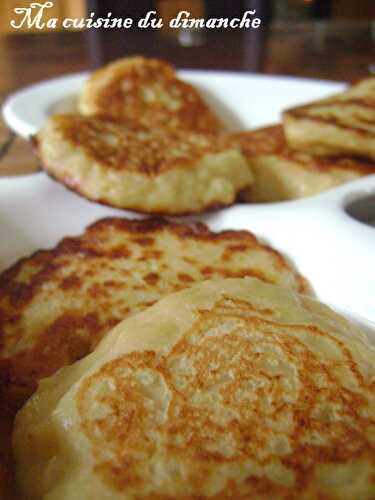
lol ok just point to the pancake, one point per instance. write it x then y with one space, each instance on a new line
147 170
147 91
56 305
231 389
281 173
343 124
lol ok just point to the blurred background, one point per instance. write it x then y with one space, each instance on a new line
325 39
331 39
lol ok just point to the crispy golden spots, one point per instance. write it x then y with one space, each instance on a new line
271 141
147 91
241 407
282 173
130 146
160 170
56 305
343 124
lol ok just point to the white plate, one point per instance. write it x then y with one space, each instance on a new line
335 252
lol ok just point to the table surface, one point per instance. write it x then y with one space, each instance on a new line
326 50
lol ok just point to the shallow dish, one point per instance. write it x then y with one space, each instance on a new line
332 249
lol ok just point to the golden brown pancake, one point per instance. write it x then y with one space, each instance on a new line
281 173
56 305
343 124
147 91
233 389
129 166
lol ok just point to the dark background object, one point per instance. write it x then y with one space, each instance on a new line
322 9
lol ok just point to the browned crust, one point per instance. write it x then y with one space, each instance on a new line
18 375
271 141
345 439
137 148
71 245
195 230
120 96
365 101
178 150
300 113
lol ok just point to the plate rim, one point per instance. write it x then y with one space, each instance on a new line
25 129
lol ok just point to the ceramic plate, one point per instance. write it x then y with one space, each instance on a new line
332 249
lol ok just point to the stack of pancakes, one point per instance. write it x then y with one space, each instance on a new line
318 146
147 141
241 387
160 360
144 140
180 363
230 389
283 173
58 304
